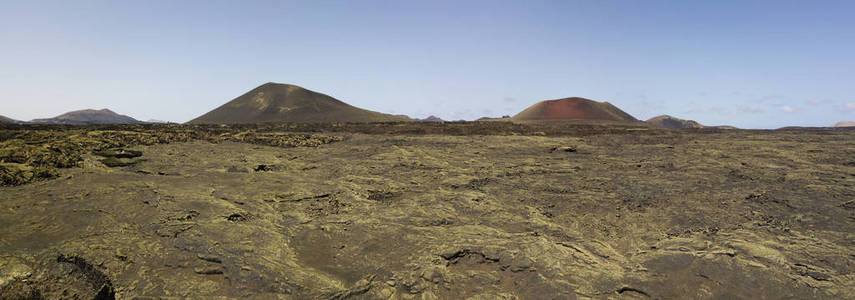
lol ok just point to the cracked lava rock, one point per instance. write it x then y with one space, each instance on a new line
389 212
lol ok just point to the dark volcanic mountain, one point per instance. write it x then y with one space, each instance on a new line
573 108
275 102
666 121
5 120
88 116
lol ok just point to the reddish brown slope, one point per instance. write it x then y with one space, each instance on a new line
573 108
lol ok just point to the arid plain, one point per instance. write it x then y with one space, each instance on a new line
475 210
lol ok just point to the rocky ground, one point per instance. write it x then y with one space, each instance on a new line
518 212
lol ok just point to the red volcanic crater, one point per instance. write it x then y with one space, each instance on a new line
574 108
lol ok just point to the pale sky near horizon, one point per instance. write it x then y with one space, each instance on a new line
751 64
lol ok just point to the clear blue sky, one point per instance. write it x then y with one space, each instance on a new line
752 64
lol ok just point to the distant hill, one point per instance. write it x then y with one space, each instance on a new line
5 120
432 118
503 118
725 127
276 102
88 116
573 108
842 124
666 121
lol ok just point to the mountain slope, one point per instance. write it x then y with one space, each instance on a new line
275 102
845 124
88 116
666 121
5 120
573 108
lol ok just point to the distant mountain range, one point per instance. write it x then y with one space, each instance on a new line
276 102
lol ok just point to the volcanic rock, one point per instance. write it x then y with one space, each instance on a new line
472 211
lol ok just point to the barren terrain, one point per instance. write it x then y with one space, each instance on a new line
490 210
